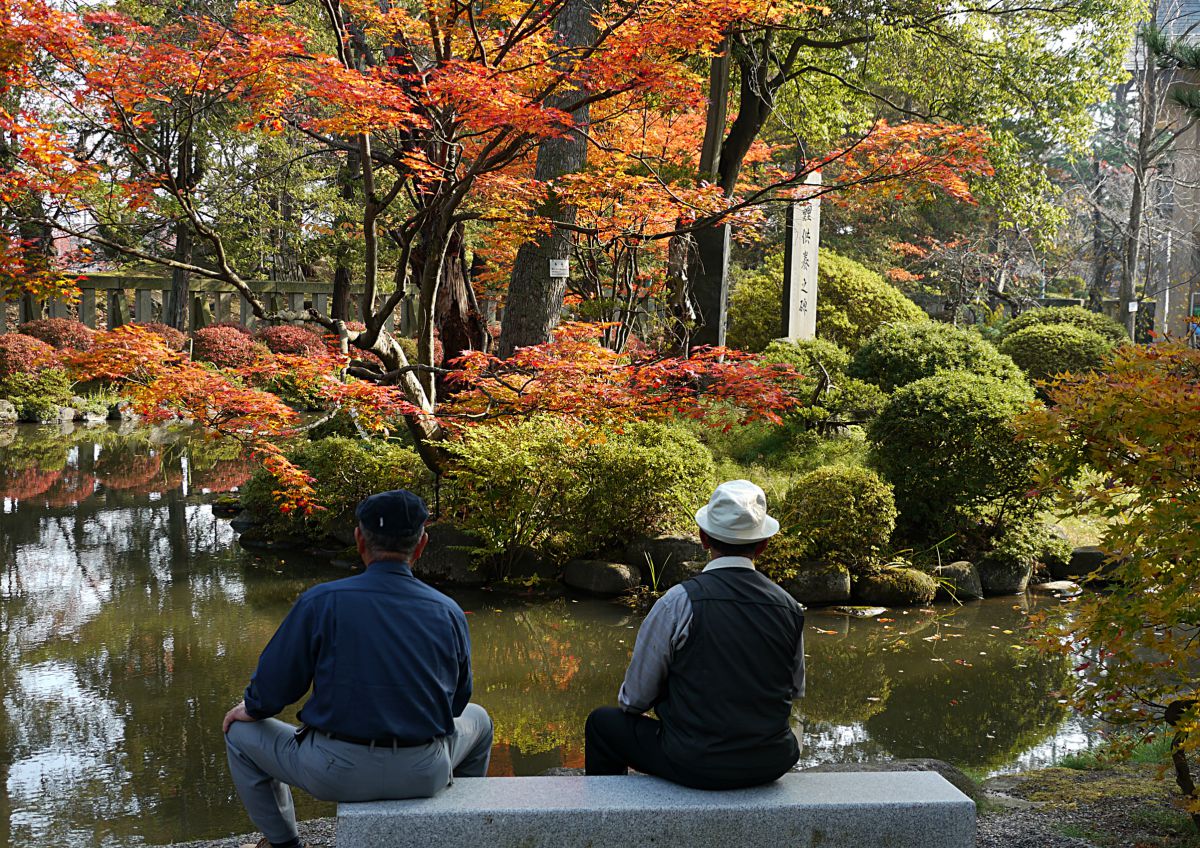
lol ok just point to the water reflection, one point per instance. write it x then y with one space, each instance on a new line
131 620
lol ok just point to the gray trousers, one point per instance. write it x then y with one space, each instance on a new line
266 760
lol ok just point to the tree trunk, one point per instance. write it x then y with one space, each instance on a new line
534 301
175 306
1100 252
456 315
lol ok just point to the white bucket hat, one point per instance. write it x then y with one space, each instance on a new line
737 513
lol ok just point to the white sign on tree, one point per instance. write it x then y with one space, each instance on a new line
800 253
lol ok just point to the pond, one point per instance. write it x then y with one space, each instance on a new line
132 620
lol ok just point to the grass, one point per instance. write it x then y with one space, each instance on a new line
1074 831
1153 751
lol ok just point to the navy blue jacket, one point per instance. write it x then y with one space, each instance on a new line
386 656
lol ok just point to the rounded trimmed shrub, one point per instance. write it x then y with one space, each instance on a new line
61 333
896 587
564 491
948 447
225 347
1043 351
1075 316
344 471
292 339
1018 553
842 514
234 325
22 354
852 302
899 354
174 338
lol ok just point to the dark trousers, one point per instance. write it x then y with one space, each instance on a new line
617 741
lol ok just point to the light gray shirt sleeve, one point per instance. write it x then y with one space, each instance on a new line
663 631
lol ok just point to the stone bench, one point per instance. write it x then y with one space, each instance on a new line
859 810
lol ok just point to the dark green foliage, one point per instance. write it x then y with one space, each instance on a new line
852 302
1025 544
1045 350
344 471
841 514
1075 316
898 354
838 399
565 491
947 445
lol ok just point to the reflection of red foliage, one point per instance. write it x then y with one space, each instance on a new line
26 484
225 475
141 474
70 489
501 763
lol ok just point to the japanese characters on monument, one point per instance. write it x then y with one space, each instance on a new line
802 239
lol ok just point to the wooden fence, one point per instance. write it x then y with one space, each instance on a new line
122 299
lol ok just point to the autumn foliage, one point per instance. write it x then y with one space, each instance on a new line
21 354
60 333
1135 427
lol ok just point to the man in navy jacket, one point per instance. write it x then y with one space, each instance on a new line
389 662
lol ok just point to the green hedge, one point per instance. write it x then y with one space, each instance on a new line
899 354
947 445
1075 316
1045 350
345 471
566 491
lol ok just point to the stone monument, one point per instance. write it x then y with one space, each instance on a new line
801 241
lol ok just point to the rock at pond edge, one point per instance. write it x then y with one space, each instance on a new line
896 587
447 559
8 412
601 578
660 553
819 584
958 581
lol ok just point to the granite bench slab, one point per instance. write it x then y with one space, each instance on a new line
858 810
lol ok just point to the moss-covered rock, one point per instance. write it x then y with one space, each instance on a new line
816 584
896 587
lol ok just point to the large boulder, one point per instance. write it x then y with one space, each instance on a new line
1084 561
896 587
958 581
447 557
601 578
819 584
656 556
961 781
8 412
675 573
1005 576
243 521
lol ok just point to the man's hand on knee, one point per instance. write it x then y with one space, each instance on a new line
238 713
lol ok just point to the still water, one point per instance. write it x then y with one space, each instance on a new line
131 621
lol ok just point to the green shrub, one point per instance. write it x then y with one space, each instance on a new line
842 514
845 400
852 302
1027 543
1045 350
1075 316
565 491
947 445
344 471
898 354
808 355
37 396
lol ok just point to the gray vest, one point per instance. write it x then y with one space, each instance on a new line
728 695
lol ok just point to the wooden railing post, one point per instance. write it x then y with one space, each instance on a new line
143 306
87 304
118 309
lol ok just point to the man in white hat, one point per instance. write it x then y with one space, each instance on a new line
719 658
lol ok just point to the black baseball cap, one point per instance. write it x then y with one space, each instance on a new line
398 513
